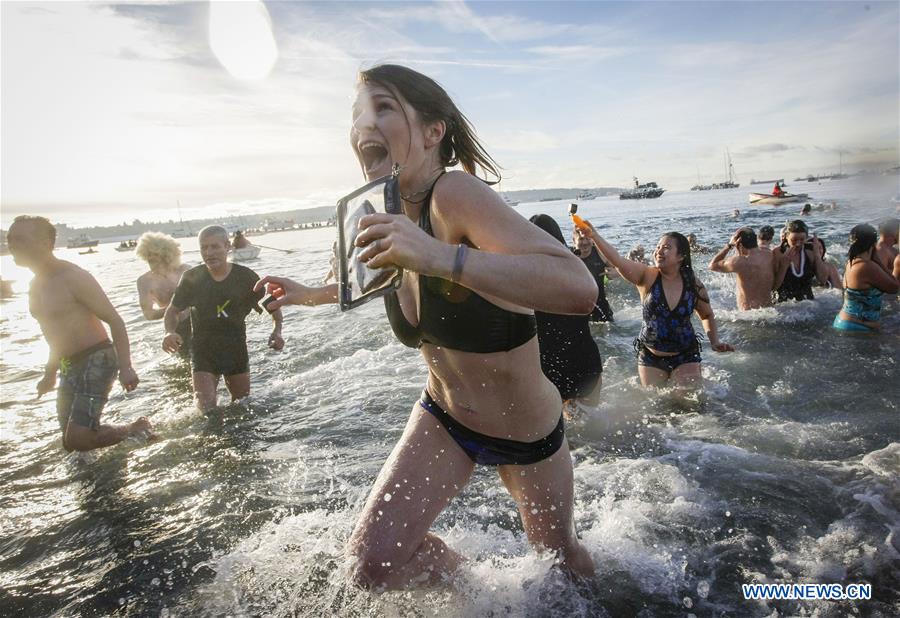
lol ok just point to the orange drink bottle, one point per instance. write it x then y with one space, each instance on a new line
578 221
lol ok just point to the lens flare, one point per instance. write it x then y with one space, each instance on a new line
240 35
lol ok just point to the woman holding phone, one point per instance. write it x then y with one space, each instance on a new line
474 271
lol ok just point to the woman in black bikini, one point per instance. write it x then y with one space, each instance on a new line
473 272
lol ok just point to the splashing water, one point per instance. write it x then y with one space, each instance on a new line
785 470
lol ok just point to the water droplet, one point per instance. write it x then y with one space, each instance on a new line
399 544
534 511
727 513
137 543
688 602
703 588
387 497
154 581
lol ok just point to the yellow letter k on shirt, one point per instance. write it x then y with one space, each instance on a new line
220 309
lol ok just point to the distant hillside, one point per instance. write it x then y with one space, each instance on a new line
536 195
115 233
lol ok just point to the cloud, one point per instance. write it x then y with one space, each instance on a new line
457 17
578 53
768 148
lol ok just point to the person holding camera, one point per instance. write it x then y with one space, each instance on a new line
754 267
799 264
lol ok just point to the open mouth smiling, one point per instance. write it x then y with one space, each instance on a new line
373 155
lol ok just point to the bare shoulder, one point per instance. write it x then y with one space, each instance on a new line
462 206
72 272
648 278
460 190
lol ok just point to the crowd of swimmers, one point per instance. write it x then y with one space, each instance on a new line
498 306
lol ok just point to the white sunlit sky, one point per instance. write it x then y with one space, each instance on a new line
119 111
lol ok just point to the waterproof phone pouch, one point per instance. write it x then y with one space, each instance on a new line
357 282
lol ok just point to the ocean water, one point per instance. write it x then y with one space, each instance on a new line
786 470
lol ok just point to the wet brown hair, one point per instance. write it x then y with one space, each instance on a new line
459 145
42 223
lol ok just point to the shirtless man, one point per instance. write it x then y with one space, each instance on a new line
886 250
69 305
755 268
764 237
157 285
220 295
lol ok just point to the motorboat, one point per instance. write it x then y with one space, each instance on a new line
640 192
81 241
777 200
127 245
250 252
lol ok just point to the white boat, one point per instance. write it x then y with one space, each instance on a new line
768 198
80 241
245 253
649 190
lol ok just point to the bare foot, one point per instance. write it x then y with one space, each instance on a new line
143 427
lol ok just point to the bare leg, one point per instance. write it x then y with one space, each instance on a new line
238 385
80 438
391 544
205 385
687 378
651 376
544 493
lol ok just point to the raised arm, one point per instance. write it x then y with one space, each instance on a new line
508 257
782 262
818 265
636 273
721 265
877 277
89 293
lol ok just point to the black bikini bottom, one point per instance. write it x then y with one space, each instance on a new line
490 451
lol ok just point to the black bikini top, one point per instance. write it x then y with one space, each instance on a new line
455 317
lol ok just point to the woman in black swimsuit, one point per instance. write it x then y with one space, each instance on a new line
800 264
668 348
474 271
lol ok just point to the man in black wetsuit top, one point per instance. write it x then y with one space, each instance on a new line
220 295
588 253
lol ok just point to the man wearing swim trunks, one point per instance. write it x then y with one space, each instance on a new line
69 305
754 267
220 295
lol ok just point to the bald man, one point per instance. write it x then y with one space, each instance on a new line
220 295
